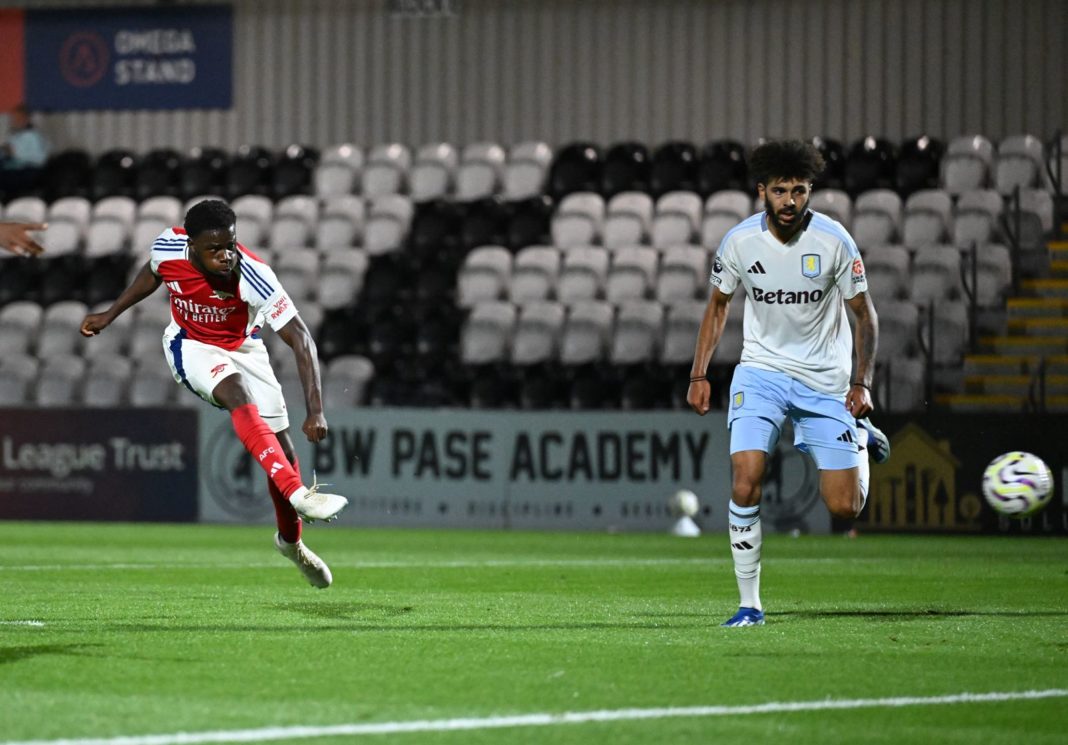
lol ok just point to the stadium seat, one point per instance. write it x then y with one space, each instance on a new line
642 390
870 164
386 170
388 221
834 203
683 272
674 168
68 173
722 211
480 172
346 380
919 165
254 213
435 233
293 171
906 386
146 334
111 227
677 219
154 215
729 350
68 221
298 271
967 163
59 333
587 333
898 326
628 219
115 174
722 167
584 273
632 275
538 333
434 171
18 372
487 333
342 332
484 276
834 159
876 218
950 330
152 384
107 382
526 172
19 324
529 223
888 273
680 331
576 168
1020 163
483 222
26 209
341 223
993 275
112 341
338 171
935 274
388 281
535 274
250 172
579 220
159 174
626 169
638 330
293 223
202 172
59 381
928 214
977 218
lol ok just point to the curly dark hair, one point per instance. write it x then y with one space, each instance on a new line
785 159
211 214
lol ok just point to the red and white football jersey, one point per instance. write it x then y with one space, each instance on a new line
213 310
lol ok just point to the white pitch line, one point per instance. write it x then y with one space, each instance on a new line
543 719
22 623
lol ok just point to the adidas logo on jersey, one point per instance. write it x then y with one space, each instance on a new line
756 269
846 436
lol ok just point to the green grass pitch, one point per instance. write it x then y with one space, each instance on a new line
111 631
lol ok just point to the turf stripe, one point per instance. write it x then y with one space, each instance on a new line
545 719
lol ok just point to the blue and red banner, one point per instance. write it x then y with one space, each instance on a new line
178 57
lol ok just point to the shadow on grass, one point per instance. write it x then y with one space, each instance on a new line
343 611
17 654
919 613
357 626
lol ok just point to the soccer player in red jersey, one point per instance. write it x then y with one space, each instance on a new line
221 294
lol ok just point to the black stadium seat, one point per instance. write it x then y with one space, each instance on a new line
203 172
115 174
919 165
529 223
484 224
870 164
674 168
250 172
834 158
576 167
722 166
435 231
626 168
68 173
293 171
159 174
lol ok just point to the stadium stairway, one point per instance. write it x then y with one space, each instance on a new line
1027 367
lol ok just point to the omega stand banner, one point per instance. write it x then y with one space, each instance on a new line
610 471
933 481
94 464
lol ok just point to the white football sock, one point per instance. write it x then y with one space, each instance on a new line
864 468
746 537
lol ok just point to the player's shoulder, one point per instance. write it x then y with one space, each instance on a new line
828 229
257 275
752 225
172 240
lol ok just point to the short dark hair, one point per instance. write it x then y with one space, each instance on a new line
785 159
211 214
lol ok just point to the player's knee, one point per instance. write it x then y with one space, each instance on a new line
745 492
845 504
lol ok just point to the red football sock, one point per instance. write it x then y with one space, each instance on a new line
286 517
261 442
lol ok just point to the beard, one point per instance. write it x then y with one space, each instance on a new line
786 226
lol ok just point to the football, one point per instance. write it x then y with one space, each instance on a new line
685 503
1017 484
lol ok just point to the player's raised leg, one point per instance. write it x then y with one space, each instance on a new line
878 444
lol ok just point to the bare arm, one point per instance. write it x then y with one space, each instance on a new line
296 335
866 342
699 394
15 237
143 285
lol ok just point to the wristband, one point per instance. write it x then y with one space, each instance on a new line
862 385
698 380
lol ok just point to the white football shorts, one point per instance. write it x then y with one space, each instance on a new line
200 367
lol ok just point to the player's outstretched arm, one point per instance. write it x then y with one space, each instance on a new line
143 285
15 237
865 342
296 335
699 394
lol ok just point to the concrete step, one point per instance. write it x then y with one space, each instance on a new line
1038 327
1048 287
982 402
1024 345
1057 403
1014 385
1057 364
1037 307
1058 269
999 364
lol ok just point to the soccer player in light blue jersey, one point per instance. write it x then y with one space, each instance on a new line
798 270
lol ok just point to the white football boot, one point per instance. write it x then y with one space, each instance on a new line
312 504
311 566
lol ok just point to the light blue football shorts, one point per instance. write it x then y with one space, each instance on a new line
762 399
